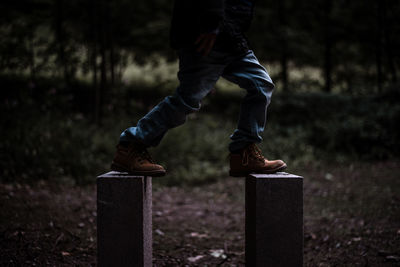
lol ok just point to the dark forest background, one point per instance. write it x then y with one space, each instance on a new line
73 76
354 43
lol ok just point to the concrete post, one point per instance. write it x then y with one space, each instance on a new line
124 225
274 220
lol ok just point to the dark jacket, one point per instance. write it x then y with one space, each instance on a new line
230 18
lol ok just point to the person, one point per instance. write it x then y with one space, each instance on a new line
210 40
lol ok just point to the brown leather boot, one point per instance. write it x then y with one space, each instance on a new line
135 159
250 160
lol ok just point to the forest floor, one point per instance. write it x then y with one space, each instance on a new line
351 217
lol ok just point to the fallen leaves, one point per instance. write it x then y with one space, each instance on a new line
159 232
196 258
197 235
218 253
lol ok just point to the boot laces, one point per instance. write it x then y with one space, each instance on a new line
252 152
142 155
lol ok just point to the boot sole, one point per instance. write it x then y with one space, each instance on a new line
243 174
119 168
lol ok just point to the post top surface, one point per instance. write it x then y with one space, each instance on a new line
276 175
114 174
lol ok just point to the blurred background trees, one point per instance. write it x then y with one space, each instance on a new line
352 43
90 65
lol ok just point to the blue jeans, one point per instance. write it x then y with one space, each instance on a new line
197 76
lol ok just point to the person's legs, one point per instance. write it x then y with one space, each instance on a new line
245 156
249 74
197 76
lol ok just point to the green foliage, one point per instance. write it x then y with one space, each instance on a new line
47 134
339 127
197 151
40 145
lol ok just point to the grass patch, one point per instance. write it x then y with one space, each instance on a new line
50 134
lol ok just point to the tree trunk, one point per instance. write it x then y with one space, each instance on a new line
103 63
112 63
32 60
60 38
378 47
328 46
95 34
284 75
94 82
110 43
103 79
388 43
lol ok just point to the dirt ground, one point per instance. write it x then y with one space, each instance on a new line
351 217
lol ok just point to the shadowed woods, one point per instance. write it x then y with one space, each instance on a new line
74 74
